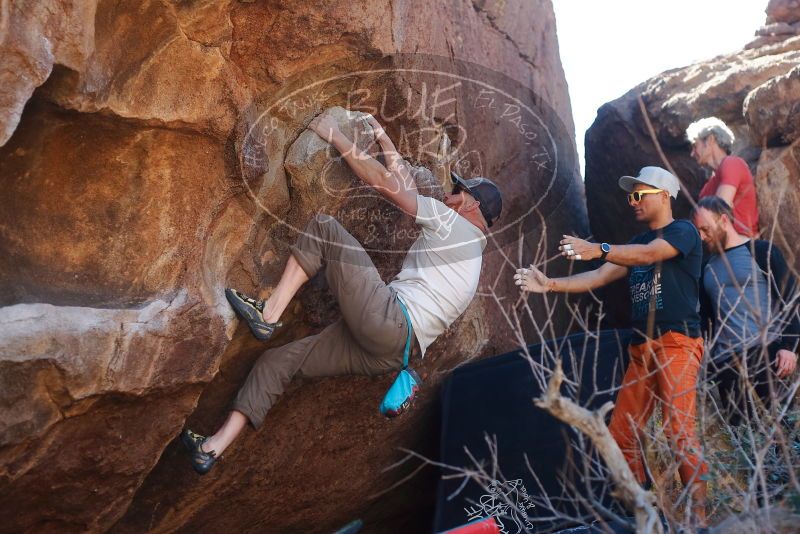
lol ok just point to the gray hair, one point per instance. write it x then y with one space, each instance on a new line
711 126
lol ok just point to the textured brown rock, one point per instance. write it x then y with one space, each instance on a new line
173 69
309 154
716 87
34 37
783 11
779 29
100 197
778 186
772 110
520 46
153 168
753 91
126 327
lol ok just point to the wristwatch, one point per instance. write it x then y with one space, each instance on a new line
605 248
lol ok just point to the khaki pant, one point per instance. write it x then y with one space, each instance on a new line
367 340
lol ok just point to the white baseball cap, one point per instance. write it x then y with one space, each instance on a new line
654 177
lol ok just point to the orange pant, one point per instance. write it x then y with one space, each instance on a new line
664 370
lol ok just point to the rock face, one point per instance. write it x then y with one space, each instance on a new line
35 37
153 153
755 91
787 11
772 110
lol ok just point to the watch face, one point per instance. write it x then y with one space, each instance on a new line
605 247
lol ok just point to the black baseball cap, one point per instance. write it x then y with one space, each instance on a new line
484 191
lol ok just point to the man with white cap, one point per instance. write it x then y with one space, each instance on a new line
663 266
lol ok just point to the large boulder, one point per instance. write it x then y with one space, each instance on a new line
35 37
772 109
787 11
783 22
754 91
163 155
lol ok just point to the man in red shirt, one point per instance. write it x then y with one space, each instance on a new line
731 180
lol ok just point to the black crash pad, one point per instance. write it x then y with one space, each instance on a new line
493 398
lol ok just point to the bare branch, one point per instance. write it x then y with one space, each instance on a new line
636 498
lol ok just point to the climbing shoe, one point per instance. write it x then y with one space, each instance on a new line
250 310
202 462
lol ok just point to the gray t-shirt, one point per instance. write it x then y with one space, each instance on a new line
740 297
441 270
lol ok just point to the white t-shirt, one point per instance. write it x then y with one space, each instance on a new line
441 270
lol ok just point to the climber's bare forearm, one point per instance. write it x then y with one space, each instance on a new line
387 145
394 161
393 158
395 185
396 165
368 169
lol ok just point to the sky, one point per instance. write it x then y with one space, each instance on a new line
609 46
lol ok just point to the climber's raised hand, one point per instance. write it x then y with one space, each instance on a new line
372 172
324 126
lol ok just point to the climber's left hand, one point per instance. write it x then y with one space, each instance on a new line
324 126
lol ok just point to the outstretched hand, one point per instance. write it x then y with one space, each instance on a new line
324 126
532 280
575 248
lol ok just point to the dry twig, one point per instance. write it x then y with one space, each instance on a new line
636 498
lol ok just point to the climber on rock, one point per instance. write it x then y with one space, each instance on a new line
666 348
437 282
